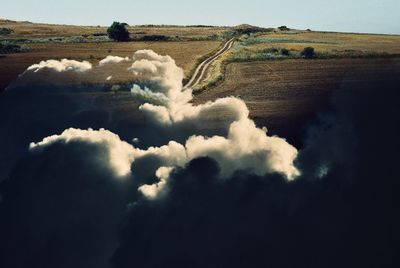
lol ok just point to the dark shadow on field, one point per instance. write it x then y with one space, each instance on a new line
286 95
343 211
31 114
294 124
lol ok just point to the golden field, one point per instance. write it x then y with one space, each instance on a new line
31 30
325 42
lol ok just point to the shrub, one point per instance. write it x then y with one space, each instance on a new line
283 28
248 29
5 31
308 52
9 47
99 34
285 52
271 50
154 37
118 31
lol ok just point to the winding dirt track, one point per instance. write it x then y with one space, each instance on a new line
200 72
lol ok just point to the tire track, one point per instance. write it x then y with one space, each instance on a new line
200 72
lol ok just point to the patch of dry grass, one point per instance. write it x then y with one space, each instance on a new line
328 42
39 30
259 47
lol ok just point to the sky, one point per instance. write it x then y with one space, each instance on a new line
373 16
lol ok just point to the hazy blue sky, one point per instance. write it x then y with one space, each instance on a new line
378 16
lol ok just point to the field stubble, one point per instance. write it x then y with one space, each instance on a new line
284 95
186 55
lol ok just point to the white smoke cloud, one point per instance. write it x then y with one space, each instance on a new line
163 71
61 66
112 60
154 190
120 153
245 147
148 96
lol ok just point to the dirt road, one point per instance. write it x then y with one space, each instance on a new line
200 72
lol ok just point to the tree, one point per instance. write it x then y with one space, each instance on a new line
118 31
248 29
283 28
308 52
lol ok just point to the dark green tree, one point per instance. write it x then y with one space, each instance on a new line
283 28
118 31
308 52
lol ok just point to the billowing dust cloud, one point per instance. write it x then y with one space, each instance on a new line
144 178
158 84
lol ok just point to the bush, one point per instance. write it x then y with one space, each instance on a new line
118 31
248 29
5 31
154 37
283 28
9 47
285 52
308 52
271 50
99 34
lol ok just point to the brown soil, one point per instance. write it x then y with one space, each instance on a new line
284 95
185 54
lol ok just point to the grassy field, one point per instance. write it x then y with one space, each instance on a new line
269 46
327 45
38 30
323 42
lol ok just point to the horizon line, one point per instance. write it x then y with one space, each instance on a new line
194 25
